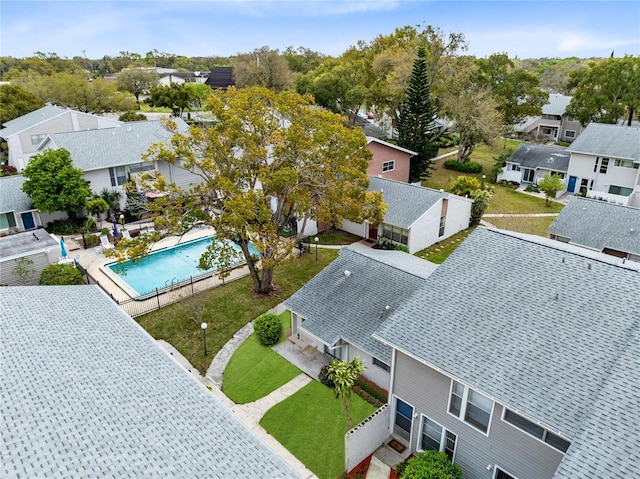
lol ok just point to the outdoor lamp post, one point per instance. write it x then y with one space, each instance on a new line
316 239
122 219
483 177
204 336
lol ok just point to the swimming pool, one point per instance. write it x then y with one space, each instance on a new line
167 266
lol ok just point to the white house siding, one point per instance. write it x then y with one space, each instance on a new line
513 450
372 372
358 229
508 174
424 232
100 179
581 166
40 261
182 177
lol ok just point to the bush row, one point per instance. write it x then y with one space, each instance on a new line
372 389
466 167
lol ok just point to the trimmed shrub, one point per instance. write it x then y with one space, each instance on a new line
431 465
60 274
323 376
65 227
268 328
466 167
372 389
9 170
132 116
401 247
91 240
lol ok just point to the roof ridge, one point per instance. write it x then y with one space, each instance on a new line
362 252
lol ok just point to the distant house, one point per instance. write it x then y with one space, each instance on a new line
416 217
220 78
518 357
109 157
86 392
40 248
553 124
599 226
389 161
179 78
605 163
26 133
17 212
341 307
530 163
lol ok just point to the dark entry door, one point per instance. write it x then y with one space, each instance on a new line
27 221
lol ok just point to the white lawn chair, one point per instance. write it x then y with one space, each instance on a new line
104 243
126 235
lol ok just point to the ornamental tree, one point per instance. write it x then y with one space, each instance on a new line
551 184
343 374
269 158
54 184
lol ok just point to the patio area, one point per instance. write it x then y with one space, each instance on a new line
301 357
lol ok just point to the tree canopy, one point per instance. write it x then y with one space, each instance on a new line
606 91
176 96
343 375
263 67
136 81
54 184
16 101
417 121
268 159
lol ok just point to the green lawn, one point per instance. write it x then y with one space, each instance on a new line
507 200
438 252
226 309
311 424
535 225
336 237
254 371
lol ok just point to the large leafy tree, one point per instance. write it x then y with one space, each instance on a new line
269 158
263 67
606 91
416 123
515 91
16 101
176 96
343 375
136 81
54 184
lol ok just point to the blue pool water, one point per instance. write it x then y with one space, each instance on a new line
164 267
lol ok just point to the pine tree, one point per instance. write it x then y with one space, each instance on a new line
416 122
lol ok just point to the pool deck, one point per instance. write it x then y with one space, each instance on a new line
93 261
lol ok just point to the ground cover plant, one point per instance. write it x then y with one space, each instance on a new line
226 309
438 252
506 200
534 225
295 423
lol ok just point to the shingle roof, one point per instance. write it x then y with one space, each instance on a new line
221 77
108 147
12 198
390 145
30 120
337 306
537 328
609 140
556 105
406 203
598 225
536 156
86 392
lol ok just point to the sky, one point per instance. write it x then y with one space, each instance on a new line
522 29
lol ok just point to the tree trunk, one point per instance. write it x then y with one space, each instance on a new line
347 412
262 284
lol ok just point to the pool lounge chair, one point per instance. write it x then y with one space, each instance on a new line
104 243
126 234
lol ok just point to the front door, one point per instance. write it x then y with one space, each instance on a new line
528 175
403 419
571 187
27 221
373 232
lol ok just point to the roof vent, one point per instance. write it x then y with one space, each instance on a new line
347 273
556 297
563 259
589 266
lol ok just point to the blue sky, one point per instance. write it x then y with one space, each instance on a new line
523 29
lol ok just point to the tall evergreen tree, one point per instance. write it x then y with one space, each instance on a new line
416 122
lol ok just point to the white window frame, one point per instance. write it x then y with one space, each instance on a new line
381 364
443 437
38 138
620 188
621 164
495 471
463 406
442 226
539 439
572 135
388 166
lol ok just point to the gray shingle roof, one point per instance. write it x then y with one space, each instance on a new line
609 140
598 225
86 392
352 307
557 104
30 120
12 198
375 139
502 330
108 147
536 156
406 203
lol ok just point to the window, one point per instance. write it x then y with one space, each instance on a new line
138 167
395 233
388 165
380 364
37 139
626 164
620 190
118 175
604 165
500 474
515 167
634 257
470 406
443 220
436 438
7 220
570 133
536 431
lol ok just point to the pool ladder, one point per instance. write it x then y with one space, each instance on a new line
170 285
